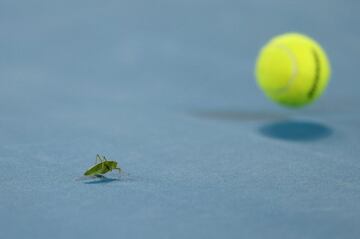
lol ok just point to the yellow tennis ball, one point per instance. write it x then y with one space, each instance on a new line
292 69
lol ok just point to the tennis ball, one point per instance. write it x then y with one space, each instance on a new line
292 69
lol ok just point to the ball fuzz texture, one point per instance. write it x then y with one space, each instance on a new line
292 69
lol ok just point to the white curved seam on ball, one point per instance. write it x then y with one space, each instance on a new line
294 69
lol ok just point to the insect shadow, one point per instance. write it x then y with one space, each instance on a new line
102 179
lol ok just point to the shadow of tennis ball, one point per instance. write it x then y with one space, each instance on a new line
235 115
296 130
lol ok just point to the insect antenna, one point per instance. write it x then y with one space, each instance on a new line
98 158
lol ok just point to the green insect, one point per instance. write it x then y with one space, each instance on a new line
102 166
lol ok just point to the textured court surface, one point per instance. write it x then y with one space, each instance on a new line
167 89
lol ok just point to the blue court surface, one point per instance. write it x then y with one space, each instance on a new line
167 89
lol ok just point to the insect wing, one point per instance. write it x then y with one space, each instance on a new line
96 169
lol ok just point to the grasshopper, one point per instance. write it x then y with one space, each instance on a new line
101 167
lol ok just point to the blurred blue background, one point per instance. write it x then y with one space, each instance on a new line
167 89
